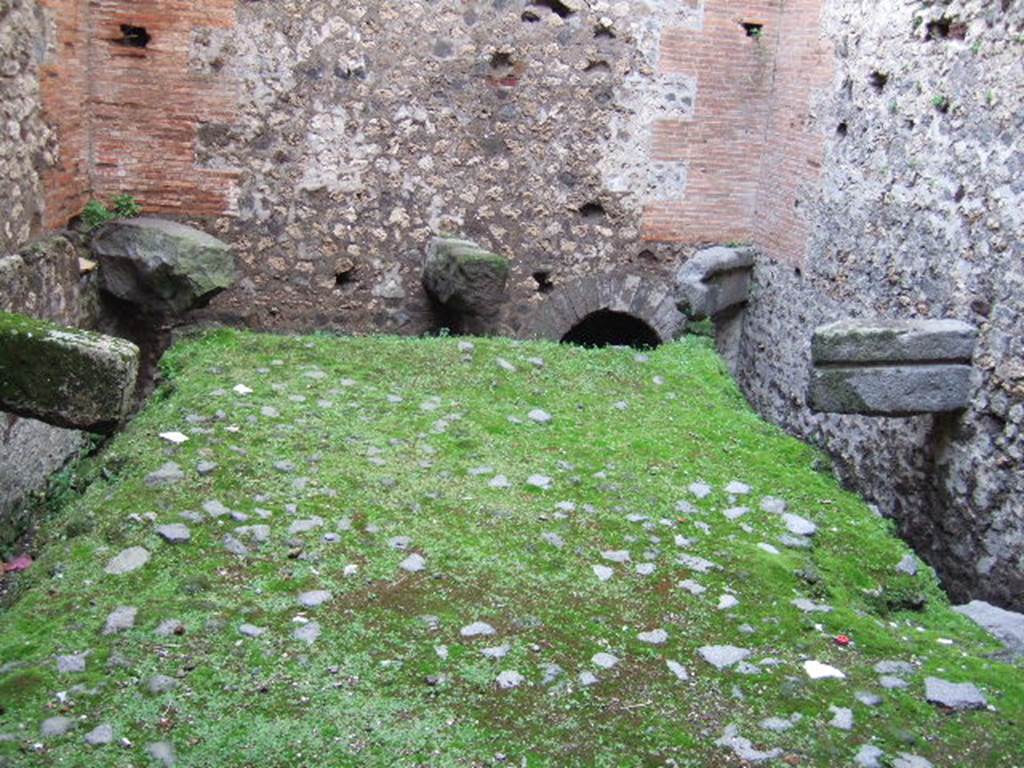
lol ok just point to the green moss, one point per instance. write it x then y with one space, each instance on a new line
64 375
360 695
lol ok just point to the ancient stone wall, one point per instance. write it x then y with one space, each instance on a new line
363 129
43 280
26 144
919 213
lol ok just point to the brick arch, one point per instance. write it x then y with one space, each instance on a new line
646 299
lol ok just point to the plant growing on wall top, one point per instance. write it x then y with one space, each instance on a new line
97 213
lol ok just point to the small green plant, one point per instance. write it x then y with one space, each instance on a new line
96 213
940 102
126 207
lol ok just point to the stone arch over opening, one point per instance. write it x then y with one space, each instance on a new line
608 328
603 308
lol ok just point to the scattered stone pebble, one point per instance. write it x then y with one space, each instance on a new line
869 756
809 606
169 627
842 718
496 651
175 533
678 670
616 556
307 633
554 540
539 416
780 724
907 565
907 760
158 684
168 474
725 602
52 727
539 481
127 560
799 526
100 735
700 489
693 587
477 629
71 663
603 572
162 752
510 679
955 696
120 619
723 656
304 526
868 699
604 660
743 749
414 563
817 670
250 630
314 598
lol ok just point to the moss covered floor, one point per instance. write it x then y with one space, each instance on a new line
353 507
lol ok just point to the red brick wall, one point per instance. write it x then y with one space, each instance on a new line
795 148
751 146
63 90
723 143
127 118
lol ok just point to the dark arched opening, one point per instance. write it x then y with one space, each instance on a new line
607 328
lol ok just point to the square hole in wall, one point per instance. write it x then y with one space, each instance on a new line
754 29
133 36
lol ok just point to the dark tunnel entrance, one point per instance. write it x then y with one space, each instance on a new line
607 328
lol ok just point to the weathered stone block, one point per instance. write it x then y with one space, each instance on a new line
714 280
63 376
1005 626
890 390
895 341
464 277
891 368
161 265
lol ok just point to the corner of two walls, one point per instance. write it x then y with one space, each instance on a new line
872 155
912 210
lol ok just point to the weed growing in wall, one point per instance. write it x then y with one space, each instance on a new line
97 213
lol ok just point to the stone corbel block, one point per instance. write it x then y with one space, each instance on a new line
63 376
891 367
713 281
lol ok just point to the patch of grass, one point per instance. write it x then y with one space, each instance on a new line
388 437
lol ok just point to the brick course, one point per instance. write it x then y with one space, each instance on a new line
750 146
127 117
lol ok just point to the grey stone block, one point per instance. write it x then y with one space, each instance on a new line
63 376
465 277
714 280
161 265
956 696
894 341
890 390
891 367
1005 626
